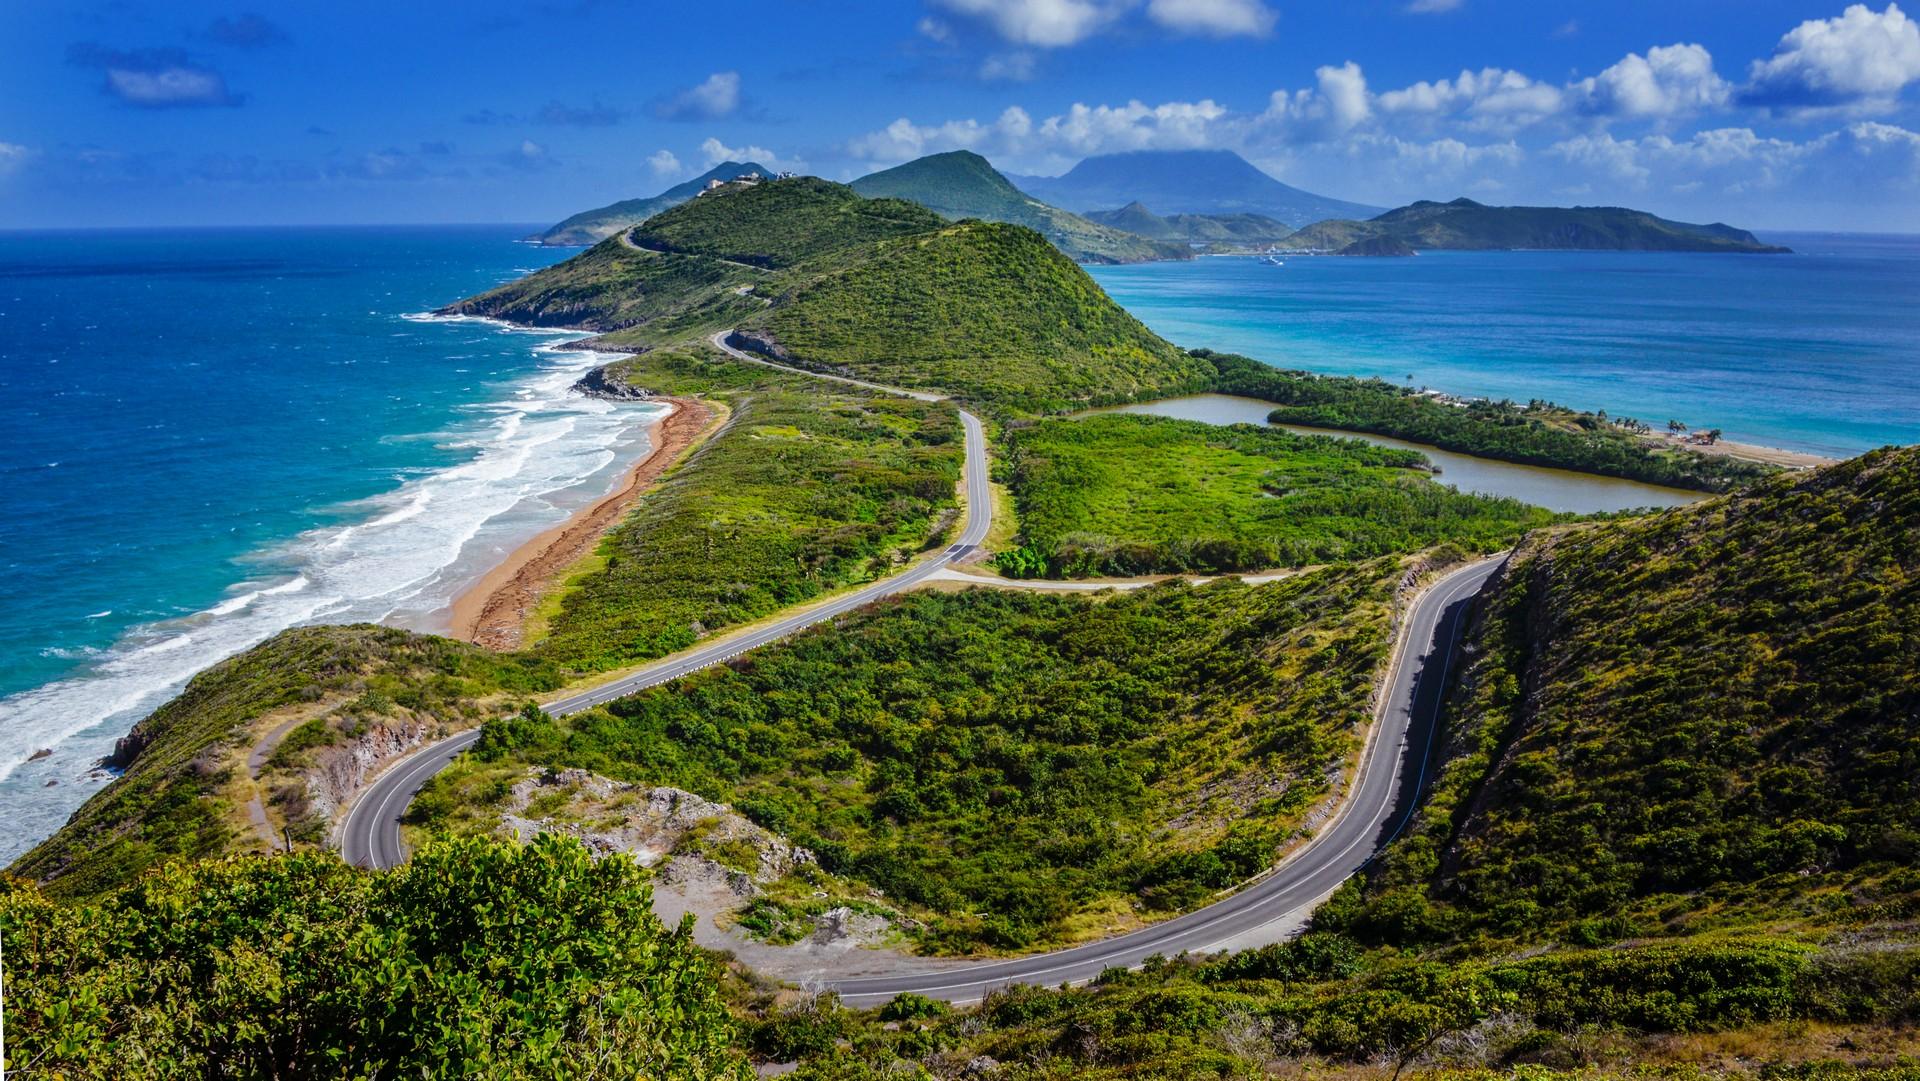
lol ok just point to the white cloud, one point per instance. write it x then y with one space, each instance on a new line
934 29
904 140
1493 96
1739 162
1013 67
1219 18
1669 80
1432 7
665 164
1337 105
12 157
716 97
1043 23
717 152
1859 60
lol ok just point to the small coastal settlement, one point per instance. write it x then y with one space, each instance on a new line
1660 816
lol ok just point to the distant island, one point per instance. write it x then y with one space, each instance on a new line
1209 232
1186 182
961 184
1464 225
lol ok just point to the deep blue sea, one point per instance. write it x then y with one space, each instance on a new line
1816 351
213 435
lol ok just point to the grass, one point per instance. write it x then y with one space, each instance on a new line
1122 494
807 489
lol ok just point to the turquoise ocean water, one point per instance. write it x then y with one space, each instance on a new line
1815 351
214 435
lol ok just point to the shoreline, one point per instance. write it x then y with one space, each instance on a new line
492 612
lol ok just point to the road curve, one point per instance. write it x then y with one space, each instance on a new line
1392 774
370 836
1381 800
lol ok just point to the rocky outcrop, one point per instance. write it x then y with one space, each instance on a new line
754 341
339 771
605 384
652 825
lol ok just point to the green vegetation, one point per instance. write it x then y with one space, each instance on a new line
1467 225
1539 433
593 226
989 312
1006 762
1692 720
878 288
1124 494
1319 1006
781 224
807 489
167 805
962 184
475 959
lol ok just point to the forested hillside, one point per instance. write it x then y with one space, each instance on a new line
1706 717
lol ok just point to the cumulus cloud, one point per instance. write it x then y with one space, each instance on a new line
717 152
1669 80
1339 103
1042 23
245 31
715 98
1217 18
1860 60
665 164
154 78
1491 97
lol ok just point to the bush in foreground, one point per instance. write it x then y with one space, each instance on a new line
476 958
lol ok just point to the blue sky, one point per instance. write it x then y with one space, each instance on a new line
1763 113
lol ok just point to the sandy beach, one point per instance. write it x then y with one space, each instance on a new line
494 610
1754 452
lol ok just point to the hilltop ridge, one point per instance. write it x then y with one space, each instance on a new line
593 226
962 184
1186 182
1463 224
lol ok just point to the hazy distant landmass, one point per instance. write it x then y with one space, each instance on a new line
1469 226
1212 231
1186 182
961 184
593 226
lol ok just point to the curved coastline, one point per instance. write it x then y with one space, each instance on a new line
493 611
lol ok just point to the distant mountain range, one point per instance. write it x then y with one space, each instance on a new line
593 226
1186 182
961 184
1198 230
1466 225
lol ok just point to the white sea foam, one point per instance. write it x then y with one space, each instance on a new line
533 455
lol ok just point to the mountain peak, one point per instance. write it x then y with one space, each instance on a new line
1186 182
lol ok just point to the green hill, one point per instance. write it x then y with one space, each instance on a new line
1469 226
1676 723
1186 182
1213 231
593 226
962 184
987 311
882 288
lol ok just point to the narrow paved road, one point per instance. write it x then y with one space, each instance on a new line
1380 800
370 836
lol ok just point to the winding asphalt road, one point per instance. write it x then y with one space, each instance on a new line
1381 800
370 836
